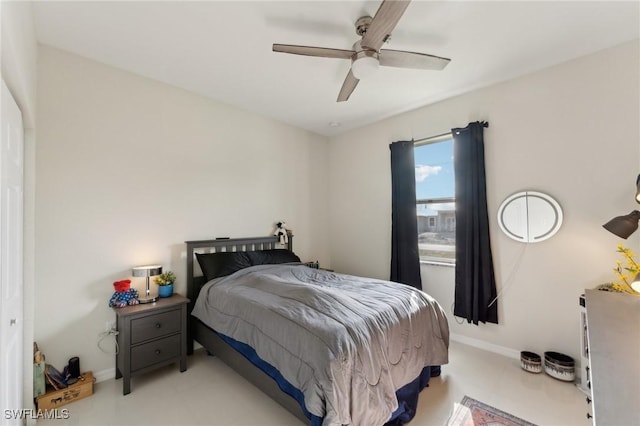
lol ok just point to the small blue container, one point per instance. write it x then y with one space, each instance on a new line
165 290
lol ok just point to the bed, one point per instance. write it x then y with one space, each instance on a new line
330 348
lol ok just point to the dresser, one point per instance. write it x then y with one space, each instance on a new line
613 332
151 335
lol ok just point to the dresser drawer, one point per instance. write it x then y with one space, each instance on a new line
153 326
153 352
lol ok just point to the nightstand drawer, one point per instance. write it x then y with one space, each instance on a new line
153 326
153 352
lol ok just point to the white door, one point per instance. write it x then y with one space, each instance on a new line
11 310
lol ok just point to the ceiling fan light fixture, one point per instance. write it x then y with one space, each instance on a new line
366 55
365 65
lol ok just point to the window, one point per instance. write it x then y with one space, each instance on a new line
435 204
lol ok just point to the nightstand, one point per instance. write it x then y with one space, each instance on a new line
150 336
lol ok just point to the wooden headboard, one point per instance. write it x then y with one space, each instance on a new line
224 244
194 283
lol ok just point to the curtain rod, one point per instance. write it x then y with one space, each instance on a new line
442 135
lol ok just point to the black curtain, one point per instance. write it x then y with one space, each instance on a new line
405 259
475 287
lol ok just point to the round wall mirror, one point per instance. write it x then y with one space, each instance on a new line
529 216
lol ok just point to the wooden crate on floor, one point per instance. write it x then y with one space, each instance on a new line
78 390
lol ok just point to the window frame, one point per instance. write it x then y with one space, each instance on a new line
432 260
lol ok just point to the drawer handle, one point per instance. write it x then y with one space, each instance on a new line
588 400
589 415
158 351
587 369
158 325
588 385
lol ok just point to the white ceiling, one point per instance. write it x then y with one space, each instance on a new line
222 49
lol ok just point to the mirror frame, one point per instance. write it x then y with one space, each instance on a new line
523 236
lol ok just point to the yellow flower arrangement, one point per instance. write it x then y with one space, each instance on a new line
166 278
625 273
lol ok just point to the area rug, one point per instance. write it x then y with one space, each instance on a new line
475 413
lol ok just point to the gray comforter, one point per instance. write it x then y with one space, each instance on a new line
348 343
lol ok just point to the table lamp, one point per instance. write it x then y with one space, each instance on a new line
147 271
636 283
624 226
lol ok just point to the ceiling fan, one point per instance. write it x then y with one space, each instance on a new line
366 54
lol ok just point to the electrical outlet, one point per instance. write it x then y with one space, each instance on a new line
111 325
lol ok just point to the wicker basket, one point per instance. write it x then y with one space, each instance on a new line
531 362
559 366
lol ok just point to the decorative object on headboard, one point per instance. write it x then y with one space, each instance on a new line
281 232
624 226
147 271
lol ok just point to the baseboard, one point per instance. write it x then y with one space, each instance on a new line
481 344
102 375
110 373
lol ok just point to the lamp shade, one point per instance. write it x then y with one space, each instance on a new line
147 271
623 226
636 283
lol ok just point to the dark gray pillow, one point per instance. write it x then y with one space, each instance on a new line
268 257
223 263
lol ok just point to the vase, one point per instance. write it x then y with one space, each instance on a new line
165 290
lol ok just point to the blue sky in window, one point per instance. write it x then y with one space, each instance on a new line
434 173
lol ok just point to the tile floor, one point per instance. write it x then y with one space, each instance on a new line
209 393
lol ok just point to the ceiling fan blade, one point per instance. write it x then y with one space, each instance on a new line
323 52
348 86
402 59
383 23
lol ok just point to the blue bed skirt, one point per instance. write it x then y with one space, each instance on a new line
407 395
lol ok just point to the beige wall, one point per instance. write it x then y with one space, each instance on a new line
129 168
19 52
572 131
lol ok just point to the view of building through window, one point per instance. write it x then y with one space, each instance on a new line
435 194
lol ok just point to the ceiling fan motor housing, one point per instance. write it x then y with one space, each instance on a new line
361 52
362 24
